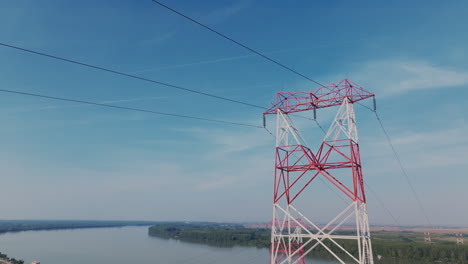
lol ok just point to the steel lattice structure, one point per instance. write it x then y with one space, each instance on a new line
293 234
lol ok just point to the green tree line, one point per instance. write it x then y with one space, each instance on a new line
228 236
11 260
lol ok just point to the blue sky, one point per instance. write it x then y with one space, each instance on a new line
66 161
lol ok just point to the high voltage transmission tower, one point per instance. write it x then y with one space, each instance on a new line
427 238
293 234
459 238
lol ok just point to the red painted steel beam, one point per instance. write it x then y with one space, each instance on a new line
325 96
294 161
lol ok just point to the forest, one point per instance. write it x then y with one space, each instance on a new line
4 257
389 244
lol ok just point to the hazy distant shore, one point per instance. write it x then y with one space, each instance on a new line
10 226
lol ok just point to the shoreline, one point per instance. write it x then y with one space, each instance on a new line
16 226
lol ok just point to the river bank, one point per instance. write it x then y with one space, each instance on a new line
121 245
4 259
392 245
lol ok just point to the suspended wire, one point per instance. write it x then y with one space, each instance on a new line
245 47
214 96
400 164
368 186
383 205
403 170
321 128
139 78
130 75
207 94
365 106
128 108
136 77
269 132
237 42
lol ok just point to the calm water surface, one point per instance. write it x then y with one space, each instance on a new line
128 245
124 245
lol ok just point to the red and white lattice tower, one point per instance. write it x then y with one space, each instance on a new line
296 241
297 167
427 238
459 238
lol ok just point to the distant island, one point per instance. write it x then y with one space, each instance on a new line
389 244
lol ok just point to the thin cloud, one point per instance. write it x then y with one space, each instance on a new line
241 57
101 102
195 63
214 184
134 100
422 150
158 39
222 14
395 77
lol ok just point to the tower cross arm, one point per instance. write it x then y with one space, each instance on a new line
325 96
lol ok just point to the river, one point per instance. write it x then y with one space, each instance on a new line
126 245
122 245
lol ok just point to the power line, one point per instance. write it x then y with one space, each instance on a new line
245 47
321 128
128 108
400 164
382 204
365 106
129 75
135 77
237 42
368 186
403 170
269 132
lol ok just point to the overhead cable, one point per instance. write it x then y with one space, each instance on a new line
128 108
400 164
129 75
368 186
383 205
237 42
134 76
403 171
